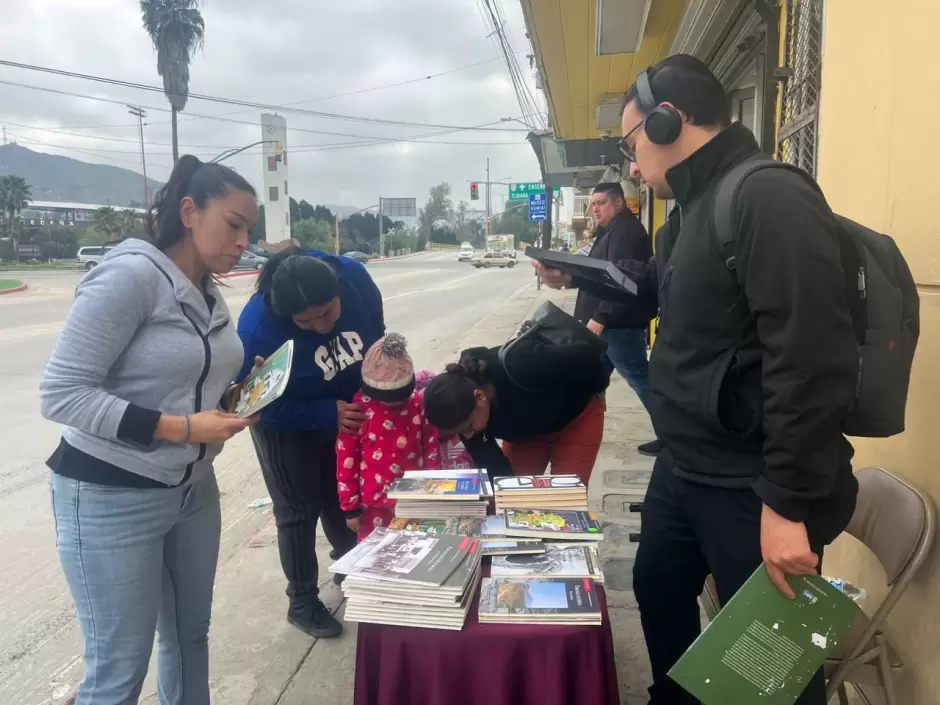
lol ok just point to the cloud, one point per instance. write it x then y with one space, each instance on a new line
280 53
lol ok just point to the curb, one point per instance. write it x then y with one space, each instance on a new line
14 290
236 275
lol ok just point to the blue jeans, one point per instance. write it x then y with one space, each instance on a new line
626 348
138 561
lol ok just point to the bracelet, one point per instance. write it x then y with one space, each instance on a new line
189 429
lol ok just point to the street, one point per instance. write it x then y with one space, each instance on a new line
436 302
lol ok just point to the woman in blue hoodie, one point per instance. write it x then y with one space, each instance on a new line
136 380
332 310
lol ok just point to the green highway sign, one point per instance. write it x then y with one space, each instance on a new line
521 192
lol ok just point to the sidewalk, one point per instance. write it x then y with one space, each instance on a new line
258 659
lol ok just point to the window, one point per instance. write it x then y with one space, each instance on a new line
287 219
284 157
272 164
799 107
272 193
285 189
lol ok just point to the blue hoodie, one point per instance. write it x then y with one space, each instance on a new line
326 368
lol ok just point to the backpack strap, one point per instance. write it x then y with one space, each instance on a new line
723 205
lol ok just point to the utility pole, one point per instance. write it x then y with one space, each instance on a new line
140 114
381 231
487 219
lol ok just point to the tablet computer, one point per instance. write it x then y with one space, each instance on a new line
599 271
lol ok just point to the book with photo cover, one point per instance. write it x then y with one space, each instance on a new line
539 484
553 524
555 562
556 600
264 384
406 556
424 486
512 548
458 526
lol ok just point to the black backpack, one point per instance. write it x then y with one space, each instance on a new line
882 299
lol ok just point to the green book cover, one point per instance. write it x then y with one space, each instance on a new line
763 647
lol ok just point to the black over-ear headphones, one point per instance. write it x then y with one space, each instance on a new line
663 123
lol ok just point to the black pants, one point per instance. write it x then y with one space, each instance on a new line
299 469
688 531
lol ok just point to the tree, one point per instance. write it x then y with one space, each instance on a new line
515 221
131 222
307 211
314 234
108 222
177 30
15 195
438 207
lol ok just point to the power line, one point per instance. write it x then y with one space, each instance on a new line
250 104
377 139
191 118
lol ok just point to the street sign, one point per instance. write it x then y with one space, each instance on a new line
538 206
520 192
398 207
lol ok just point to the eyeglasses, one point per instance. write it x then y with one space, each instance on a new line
628 151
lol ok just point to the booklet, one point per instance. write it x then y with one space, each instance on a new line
553 524
763 647
265 384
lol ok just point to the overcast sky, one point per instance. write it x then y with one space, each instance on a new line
279 52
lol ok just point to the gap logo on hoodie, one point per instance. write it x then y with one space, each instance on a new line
342 351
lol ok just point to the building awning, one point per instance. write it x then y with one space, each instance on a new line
583 81
573 163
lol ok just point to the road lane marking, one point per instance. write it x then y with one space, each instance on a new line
236 301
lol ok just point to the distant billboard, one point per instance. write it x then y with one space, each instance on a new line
398 207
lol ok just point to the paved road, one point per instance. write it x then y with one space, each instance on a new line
430 298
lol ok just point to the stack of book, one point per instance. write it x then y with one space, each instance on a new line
539 601
540 492
411 579
496 542
441 494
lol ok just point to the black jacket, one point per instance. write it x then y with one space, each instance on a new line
624 238
752 371
568 377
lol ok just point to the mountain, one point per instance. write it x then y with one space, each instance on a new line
56 178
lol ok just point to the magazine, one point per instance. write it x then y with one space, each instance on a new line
264 384
437 485
459 526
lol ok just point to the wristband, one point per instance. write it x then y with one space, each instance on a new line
189 429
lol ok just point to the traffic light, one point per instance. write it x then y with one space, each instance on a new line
474 192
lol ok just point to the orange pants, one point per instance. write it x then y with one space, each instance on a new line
571 451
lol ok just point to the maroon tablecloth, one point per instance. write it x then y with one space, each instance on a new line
487 664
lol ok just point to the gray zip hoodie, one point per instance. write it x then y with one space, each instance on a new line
140 340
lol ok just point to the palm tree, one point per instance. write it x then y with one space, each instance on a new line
131 223
108 222
15 195
177 30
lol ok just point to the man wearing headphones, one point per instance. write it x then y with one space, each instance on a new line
752 372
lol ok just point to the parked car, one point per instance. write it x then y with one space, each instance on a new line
89 257
494 259
358 256
249 260
465 253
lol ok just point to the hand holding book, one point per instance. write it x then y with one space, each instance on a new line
785 549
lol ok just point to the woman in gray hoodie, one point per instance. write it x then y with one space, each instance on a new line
136 380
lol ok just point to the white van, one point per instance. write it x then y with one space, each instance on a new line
465 253
89 257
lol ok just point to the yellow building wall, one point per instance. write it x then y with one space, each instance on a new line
878 160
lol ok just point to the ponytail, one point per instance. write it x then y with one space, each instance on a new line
450 398
193 179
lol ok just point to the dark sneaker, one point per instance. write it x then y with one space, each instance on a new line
333 555
651 449
314 618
